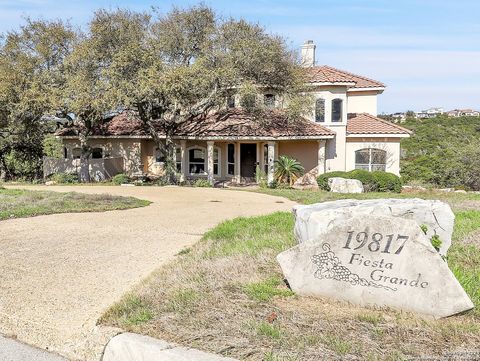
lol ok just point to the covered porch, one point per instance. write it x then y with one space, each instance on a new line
241 161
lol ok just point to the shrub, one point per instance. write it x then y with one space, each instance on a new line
120 179
377 181
202 183
387 182
367 178
64 178
288 170
322 179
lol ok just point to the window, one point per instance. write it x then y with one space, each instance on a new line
265 158
337 110
371 159
196 161
231 101
76 153
320 110
97 153
269 101
65 154
178 159
215 161
231 159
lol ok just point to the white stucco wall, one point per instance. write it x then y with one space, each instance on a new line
390 145
362 102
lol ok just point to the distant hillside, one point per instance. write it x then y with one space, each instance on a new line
443 152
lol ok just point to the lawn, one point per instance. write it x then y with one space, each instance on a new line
18 203
226 295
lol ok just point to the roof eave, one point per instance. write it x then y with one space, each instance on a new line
364 89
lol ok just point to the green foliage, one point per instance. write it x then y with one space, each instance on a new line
377 181
436 241
387 182
322 179
64 178
52 146
202 183
266 329
121 179
424 228
288 170
261 177
264 291
443 152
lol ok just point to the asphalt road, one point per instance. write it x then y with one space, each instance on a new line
12 350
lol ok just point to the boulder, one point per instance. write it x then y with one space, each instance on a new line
307 181
343 185
382 261
50 183
316 219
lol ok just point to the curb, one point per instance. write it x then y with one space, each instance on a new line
133 347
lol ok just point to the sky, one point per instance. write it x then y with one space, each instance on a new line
427 52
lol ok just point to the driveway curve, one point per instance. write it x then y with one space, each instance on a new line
58 273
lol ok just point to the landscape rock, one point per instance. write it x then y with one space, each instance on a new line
461 191
133 347
307 181
412 189
50 183
382 261
343 185
313 220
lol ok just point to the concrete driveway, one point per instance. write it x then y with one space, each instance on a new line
58 273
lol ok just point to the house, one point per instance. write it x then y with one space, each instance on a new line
463 113
429 113
342 133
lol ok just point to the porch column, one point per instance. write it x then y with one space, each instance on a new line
321 157
210 162
271 162
183 160
236 172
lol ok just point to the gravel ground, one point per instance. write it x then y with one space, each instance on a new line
58 273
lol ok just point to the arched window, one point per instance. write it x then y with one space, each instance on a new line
371 159
269 100
320 110
97 153
337 110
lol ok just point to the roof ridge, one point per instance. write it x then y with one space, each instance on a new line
352 74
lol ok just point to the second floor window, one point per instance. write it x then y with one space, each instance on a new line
337 110
269 100
320 110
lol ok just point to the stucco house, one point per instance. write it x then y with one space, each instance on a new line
342 133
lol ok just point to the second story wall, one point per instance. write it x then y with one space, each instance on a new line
362 102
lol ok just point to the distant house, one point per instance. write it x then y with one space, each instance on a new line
398 117
429 113
463 113
342 133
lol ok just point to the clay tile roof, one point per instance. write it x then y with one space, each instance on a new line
239 123
328 74
223 124
364 123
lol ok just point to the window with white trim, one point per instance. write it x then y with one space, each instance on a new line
196 161
231 159
371 159
178 159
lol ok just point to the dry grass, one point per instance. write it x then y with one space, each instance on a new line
227 296
19 203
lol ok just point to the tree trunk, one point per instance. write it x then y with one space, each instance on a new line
84 174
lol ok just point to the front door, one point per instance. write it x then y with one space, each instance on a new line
248 159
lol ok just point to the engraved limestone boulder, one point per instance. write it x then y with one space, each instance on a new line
343 185
381 260
313 220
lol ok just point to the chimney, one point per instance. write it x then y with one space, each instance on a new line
308 54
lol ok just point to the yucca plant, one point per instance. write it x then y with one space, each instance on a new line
288 170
